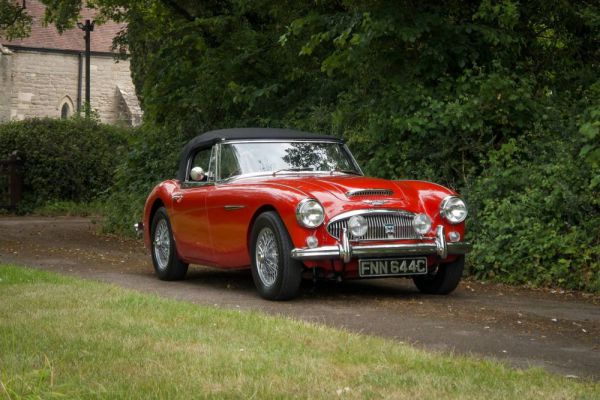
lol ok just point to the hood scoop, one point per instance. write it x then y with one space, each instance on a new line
369 193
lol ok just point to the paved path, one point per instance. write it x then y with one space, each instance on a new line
557 331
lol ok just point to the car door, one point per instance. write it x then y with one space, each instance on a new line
190 216
230 207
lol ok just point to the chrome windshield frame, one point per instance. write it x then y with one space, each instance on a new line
270 173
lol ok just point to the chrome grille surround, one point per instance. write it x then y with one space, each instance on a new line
369 193
377 219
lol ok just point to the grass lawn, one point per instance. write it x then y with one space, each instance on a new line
62 337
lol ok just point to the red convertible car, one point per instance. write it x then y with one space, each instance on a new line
286 204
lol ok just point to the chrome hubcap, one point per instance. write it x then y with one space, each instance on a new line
267 256
162 244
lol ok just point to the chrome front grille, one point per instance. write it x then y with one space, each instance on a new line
400 222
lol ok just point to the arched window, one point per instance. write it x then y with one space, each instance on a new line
65 111
66 107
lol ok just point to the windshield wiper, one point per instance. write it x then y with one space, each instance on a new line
345 171
291 170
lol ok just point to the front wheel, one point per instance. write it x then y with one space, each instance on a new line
276 275
444 281
167 265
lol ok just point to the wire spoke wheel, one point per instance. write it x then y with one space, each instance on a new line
162 244
276 275
267 256
165 259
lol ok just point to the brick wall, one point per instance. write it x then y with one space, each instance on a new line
36 84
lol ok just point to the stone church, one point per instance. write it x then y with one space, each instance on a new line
43 75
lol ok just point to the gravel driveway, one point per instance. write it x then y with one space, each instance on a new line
555 330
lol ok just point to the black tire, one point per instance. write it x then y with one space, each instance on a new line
444 281
168 266
284 283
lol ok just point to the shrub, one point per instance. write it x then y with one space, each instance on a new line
536 218
486 98
64 160
152 157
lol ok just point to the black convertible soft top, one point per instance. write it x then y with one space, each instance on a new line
209 138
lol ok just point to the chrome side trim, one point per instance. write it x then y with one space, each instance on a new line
233 207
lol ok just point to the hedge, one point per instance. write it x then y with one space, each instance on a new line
64 160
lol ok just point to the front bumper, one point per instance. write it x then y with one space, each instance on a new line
346 251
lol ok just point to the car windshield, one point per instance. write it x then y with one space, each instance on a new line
280 157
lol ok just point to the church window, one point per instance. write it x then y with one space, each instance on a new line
65 111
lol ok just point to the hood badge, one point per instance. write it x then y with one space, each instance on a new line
375 202
390 230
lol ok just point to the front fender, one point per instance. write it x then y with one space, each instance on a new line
284 200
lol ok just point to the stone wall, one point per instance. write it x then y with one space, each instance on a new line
5 83
38 84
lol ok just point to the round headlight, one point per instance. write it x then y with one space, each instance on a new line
421 224
453 209
309 213
358 226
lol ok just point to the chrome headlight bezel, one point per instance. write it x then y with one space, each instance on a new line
358 226
451 204
307 208
421 224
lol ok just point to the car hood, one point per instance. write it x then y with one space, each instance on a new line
349 188
343 193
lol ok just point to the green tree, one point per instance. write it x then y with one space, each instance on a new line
495 98
14 20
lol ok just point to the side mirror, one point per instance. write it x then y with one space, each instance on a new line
197 174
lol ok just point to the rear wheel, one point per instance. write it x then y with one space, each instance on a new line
167 265
276 275
444 281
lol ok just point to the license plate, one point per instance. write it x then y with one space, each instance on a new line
392 267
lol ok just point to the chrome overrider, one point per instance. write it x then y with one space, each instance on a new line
138 227
346 251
